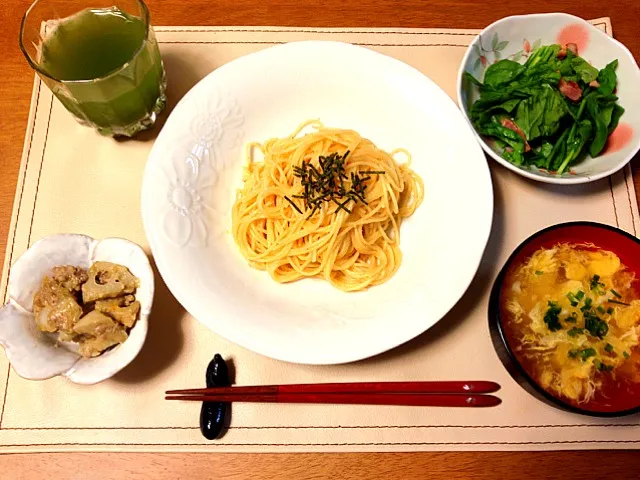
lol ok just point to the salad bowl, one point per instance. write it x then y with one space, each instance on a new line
517 38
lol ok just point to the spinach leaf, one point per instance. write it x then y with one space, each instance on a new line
558 153
601 127
501 73
615 117
540 114
543 55
607 78
576 140
606 112
585 71
508 137
472 79
541 156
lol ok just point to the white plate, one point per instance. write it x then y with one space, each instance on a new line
195 167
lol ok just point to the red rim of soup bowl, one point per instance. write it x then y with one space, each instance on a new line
605 237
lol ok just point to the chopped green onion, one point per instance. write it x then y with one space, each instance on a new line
603 367
573 318
610 310
595 282
575 331
587 304
608 348
595 325
586 353
600 309
551 318
574 353
616 294
572 299
580 295
626 355
617 302
539 272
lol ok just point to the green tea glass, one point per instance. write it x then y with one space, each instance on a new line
100 59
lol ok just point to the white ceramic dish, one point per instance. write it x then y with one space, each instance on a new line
35 355
195 167
515 37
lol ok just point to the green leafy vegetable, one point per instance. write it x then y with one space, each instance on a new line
615 117
560 121
607 79
540 114
602 128
585 71
501 73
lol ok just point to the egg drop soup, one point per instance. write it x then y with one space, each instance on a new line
571 317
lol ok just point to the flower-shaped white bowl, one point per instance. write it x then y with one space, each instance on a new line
515 38
35 355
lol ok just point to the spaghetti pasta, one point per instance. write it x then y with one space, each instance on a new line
325 204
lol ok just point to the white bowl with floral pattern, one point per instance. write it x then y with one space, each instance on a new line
35 355
195 168
516 38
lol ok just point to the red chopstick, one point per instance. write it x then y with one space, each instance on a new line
431 394
407 399
434 387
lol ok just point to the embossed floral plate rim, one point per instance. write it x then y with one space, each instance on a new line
195 167
515 37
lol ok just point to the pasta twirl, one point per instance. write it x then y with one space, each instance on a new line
326 204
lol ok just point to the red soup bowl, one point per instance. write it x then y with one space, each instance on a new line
604 237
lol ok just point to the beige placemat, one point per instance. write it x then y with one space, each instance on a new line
72 180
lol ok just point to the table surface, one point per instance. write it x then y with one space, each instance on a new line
16 82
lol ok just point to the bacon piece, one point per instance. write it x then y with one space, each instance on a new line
511 125
570 89
594 83
571 47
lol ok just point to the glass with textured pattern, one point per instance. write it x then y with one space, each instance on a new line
100 59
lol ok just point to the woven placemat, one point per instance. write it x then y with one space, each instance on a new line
72 180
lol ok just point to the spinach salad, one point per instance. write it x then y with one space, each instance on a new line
550 111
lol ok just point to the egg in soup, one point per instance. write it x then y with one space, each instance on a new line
572 318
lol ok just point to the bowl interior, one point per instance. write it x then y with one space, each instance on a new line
516 38
605 237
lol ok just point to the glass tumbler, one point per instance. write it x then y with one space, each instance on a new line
100 59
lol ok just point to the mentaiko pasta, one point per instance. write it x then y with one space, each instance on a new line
325 204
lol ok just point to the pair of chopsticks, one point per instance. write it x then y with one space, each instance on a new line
419 394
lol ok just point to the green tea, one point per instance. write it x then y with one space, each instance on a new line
106 69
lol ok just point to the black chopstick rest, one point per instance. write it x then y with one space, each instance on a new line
213 415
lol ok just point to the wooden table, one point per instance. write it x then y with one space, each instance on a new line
15 87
